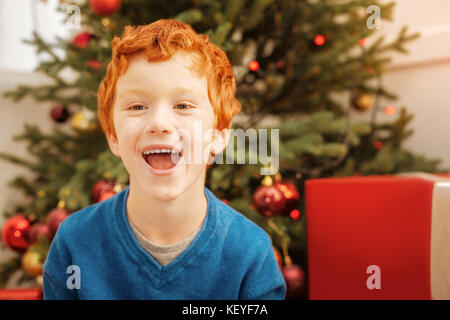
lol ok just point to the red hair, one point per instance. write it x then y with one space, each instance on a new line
159 41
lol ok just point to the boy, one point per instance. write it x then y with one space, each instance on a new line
165 236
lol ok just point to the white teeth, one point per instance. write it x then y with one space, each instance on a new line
160 151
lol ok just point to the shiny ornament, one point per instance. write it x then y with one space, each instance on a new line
106 195
101 187
105 7
378 145
267 181
269 201
54 219
290 193
32 263
82 39
40 280
295 281
109 24
362 101
119 187
60 113
37 230
15 233
84 120
94 64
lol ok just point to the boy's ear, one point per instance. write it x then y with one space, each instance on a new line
220 140
113 144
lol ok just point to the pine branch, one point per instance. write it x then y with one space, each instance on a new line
8 268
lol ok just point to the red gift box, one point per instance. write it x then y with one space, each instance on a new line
378 237
21 294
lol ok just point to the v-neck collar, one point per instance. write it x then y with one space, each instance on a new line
162 274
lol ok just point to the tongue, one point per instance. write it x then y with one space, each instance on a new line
161 161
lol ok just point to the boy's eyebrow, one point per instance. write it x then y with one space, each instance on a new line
174 91
128 91
178 90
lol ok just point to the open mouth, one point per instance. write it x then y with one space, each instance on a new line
162 159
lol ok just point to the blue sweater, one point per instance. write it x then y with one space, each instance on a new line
230 258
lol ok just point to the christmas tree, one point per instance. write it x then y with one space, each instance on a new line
290 59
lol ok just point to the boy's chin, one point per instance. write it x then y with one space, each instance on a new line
166 192
166 195
171 187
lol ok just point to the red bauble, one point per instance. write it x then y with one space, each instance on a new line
54 219
60 113
104 7
290 193
378 145
269 200
101 187
295 281
94 64
106 195
15 233
82 39
37 230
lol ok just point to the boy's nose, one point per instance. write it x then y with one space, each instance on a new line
160 121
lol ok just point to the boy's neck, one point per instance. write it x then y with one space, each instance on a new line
167 222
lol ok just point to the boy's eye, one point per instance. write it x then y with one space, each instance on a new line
137 106
182 106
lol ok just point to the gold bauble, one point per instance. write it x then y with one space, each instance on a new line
84 120
267 181
108 24
40 280
362 101
61 204
32 263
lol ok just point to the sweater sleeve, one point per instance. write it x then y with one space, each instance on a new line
54 270
264 280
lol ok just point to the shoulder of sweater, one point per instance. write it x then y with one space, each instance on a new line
81 221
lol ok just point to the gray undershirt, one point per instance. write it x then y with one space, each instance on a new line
164 254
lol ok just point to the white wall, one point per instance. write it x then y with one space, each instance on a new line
422 79
18 19
12 118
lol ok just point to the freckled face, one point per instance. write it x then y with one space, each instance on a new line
157 103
